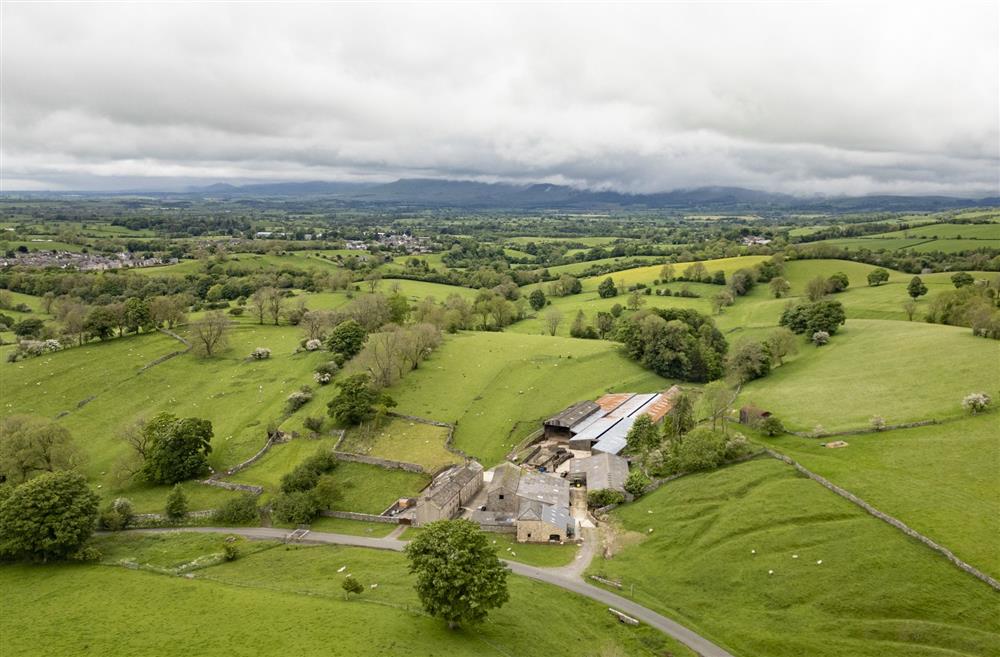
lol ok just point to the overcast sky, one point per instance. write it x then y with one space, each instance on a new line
828 98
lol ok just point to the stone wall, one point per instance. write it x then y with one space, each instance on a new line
864 430
382 463
898 524
367 517
229 485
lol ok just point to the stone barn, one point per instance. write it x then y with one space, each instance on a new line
501 493
540 523
450 490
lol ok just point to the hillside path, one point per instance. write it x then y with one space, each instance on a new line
565 577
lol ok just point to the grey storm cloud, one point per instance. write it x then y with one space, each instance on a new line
805 98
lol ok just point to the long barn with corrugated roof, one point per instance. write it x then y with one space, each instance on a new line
602 425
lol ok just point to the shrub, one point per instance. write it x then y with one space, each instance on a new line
240 510
597 499
117 515
736 447
877 422
976 402
701 449
296 508
322 378
177 504
260 353
351 585
229 550
237 311
314 344
298 399
636 482
313 423
307 473
771 426
820 338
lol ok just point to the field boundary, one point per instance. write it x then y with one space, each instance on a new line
885 517
867 430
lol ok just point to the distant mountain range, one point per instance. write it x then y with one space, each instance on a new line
429 193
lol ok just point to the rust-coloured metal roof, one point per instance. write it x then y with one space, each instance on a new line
661 404
613 400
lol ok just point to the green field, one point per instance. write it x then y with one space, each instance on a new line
272 599
576 267
400 439
362 488
876 593
941 480
99 389
497 387
989 231
869 368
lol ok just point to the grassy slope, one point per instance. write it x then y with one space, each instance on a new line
876 593
497 387
239 397
876 367
364 488
290 597
941 480
403 440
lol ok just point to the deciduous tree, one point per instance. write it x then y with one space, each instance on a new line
459 577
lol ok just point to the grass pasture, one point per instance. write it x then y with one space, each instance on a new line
400 439
876 593
99 389
940 479
275 592
872 367
497 387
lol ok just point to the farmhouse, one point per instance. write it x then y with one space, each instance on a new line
449 492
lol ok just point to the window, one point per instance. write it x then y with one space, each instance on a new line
501 496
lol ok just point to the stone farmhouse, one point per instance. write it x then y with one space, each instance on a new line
454 488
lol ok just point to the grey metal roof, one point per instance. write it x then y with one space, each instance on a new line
572 415
556 515
587 421
597 428
601 471
613 440
550 489
631 406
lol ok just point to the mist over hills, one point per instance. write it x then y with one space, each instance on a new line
429 193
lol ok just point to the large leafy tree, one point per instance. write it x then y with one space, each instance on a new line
642 436
176 448
32 445
676 343
809 318
607 289
49 517
358 400
916 288
459 577
877 276
748 360
347 338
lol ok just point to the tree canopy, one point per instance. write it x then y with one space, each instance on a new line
459 577
49 517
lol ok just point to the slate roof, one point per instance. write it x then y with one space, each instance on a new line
549 489
506 477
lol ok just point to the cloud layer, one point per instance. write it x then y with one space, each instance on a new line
802 98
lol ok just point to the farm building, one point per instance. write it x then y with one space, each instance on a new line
538 523
501 494
599 472
601 426
560 427
449 491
